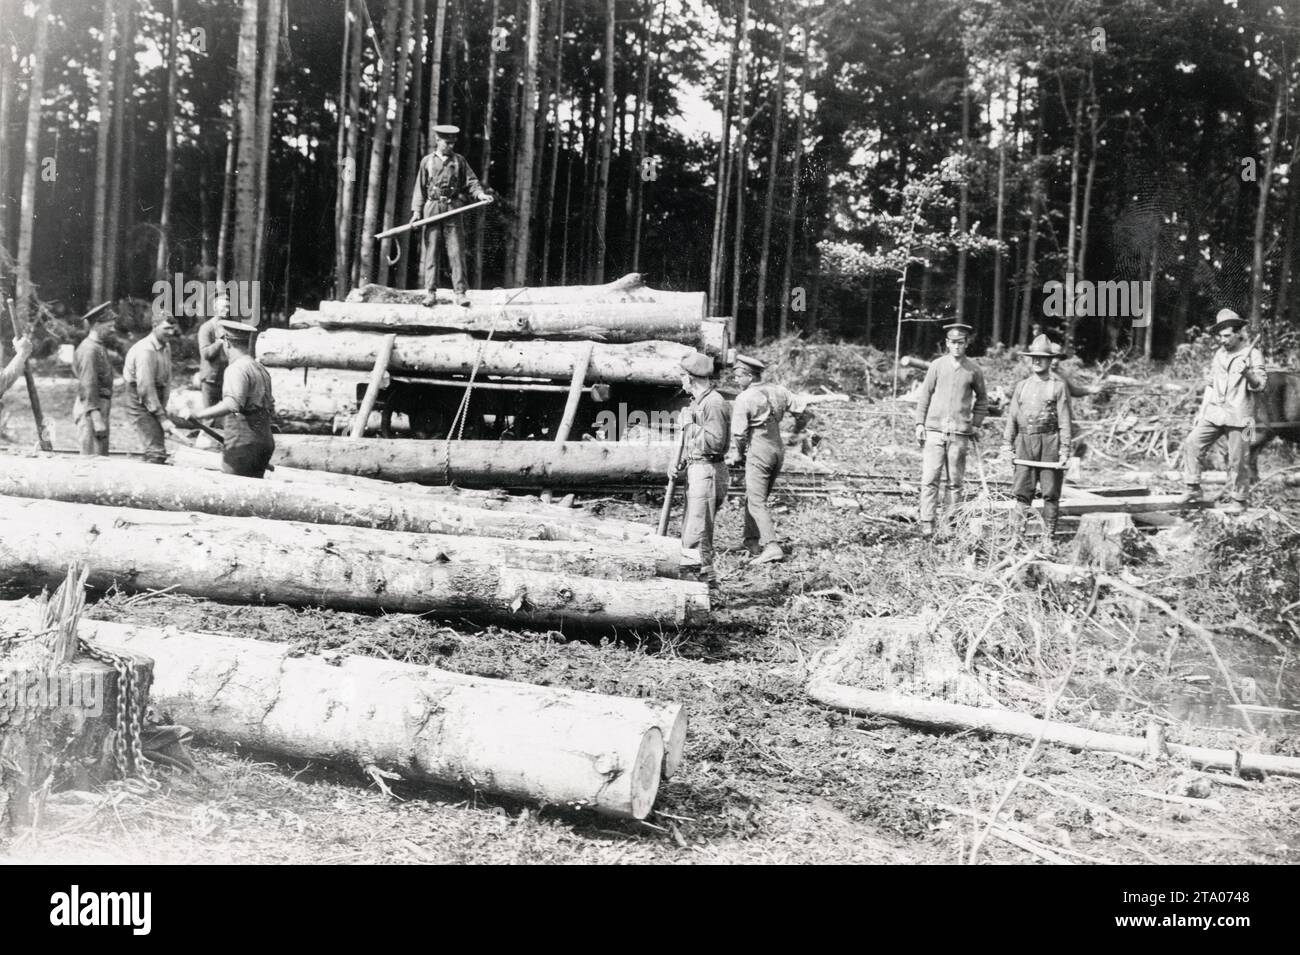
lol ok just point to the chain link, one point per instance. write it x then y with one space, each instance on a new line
128 720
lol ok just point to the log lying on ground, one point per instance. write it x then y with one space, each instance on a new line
505 464
553 746
137 484
245 560
629 288
648 363
957 716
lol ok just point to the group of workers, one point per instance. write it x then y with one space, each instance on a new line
235 386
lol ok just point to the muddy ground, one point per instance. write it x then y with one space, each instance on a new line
769 775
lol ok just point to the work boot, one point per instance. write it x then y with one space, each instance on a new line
462 300
927 529
770 555
754 548
1051 516
429 300
1234 507
1190 496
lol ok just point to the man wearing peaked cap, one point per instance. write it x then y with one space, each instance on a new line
756 439
1227 410
951 406
444 182
706 426
94 374
246 404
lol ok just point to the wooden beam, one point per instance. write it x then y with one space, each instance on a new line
372 387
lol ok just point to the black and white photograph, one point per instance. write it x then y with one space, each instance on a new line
651 432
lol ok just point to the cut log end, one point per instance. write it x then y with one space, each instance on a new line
646 773
673 725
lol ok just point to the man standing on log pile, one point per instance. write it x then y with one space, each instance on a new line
212 354
756 439
148 374
706 431
950 408
94 374
246 403
443 182
1038 429
1237 372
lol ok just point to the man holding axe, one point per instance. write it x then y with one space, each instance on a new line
94 374
1227 408
148 374
14 370
441 186
1037 435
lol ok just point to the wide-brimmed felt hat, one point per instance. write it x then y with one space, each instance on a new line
1043 347
1227 318
753 363
697 364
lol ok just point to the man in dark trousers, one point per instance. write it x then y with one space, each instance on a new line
1038 429
212 354
247 404
148 374
94 374
444 182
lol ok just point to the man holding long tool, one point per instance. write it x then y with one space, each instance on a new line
148 374
14 370
246 404
1237 372
443 183
1037 436
950 408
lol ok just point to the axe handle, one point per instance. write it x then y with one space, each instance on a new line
1050 465
42 435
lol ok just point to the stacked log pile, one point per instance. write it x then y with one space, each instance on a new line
621 333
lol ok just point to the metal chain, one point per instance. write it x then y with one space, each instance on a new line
128 720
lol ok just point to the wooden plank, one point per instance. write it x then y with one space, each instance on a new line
372 387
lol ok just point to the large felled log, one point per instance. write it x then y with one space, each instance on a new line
553 746
505 464
648 363
629 288
957 716
157 487
245 560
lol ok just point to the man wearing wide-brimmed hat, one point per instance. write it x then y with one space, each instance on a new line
148 374
706 424
950 408
246 404
1227 409
444 182
1038 429
756 439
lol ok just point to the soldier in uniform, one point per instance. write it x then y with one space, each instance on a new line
94 374
443 183
212 354
756 439
247 404
1038 429
1227 408
706 426
148 374
950 408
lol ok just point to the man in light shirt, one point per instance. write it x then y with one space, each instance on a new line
950 408
1227 410
148 374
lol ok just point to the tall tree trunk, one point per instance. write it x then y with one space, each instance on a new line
606 147
998 255
227 207
485 169
1072 320
1149 332
98 236
527 152
742 165
512 152
1261 212
123 75
413 153
1026 302
547 27
778 114
717 251
963 204
205 218
271 31
348 171
395 152
647 123
169 148
568 195
787 266
378 145
590 162
1094 109
549 225
31 159
435 72
340 137
245 269
1288 252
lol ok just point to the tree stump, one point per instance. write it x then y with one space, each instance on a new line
56 730
1099 542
